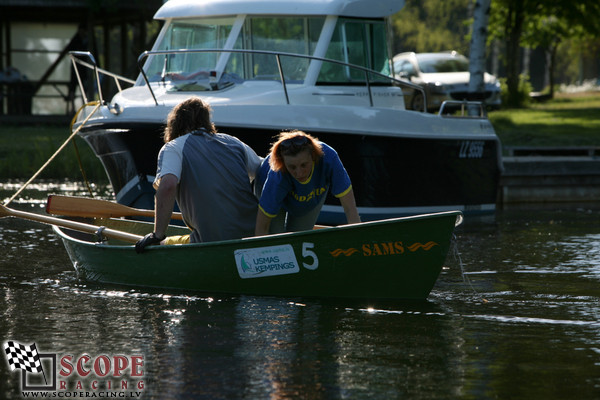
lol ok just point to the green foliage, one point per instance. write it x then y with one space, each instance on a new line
521 98
25 149
571 29
574 56
568 120
432 25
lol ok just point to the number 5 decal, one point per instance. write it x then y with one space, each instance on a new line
307 252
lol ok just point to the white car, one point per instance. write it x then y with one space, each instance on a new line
443 76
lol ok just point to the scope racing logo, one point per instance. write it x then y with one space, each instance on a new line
46 375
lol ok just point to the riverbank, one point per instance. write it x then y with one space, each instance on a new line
26 148
551 150
550 174
570 119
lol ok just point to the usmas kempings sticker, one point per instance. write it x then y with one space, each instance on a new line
259 262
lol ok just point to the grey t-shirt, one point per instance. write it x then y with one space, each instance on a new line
215 174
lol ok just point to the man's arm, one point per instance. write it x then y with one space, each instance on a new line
165 201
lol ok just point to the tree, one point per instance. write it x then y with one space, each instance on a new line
546 32
439 25
506 23
432 25
557 24
479 31
538 24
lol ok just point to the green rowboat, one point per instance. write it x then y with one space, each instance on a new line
397 258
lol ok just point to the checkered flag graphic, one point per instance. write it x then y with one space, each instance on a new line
24 357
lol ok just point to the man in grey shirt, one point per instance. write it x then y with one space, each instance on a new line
210 175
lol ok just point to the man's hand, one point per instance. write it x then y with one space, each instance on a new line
148 240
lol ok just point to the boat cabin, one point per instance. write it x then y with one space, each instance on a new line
361 43
241 47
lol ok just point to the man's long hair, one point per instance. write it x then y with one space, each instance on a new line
188 116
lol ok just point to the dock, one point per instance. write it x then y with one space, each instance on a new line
550 174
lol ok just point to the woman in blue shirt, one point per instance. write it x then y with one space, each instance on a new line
297 174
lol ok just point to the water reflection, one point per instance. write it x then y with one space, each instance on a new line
280 349
36 193
514 315
585 252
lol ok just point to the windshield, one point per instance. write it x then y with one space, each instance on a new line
191 34
296 35
203 67
434 65
358 42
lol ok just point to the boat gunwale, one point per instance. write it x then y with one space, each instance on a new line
125 123
62 232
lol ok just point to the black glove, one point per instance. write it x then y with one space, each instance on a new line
147 240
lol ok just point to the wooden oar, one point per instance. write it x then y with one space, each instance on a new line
78 226
71 206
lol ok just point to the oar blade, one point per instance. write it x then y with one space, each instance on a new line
72 206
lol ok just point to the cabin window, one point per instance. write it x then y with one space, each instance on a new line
295 35
358 42
191 34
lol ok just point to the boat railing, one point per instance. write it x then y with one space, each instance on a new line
368 73
462 109
78 57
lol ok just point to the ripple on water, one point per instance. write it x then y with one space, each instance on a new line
36 193
511 319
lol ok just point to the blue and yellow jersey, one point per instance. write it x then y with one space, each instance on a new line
282 191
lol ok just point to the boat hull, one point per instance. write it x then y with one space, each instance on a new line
392 175
393 259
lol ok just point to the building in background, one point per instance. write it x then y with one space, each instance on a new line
35 36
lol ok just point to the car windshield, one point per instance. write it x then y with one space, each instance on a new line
446 64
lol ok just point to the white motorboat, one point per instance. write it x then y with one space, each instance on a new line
321 66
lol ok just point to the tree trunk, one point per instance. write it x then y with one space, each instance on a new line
481 15
513 28
551 66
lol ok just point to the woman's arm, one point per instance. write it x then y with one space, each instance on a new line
349 204
263 222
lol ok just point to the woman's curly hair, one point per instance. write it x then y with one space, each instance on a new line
278 151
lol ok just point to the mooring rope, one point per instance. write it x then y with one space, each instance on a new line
81 169
57 151
457 257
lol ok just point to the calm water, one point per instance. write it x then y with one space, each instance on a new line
519 318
